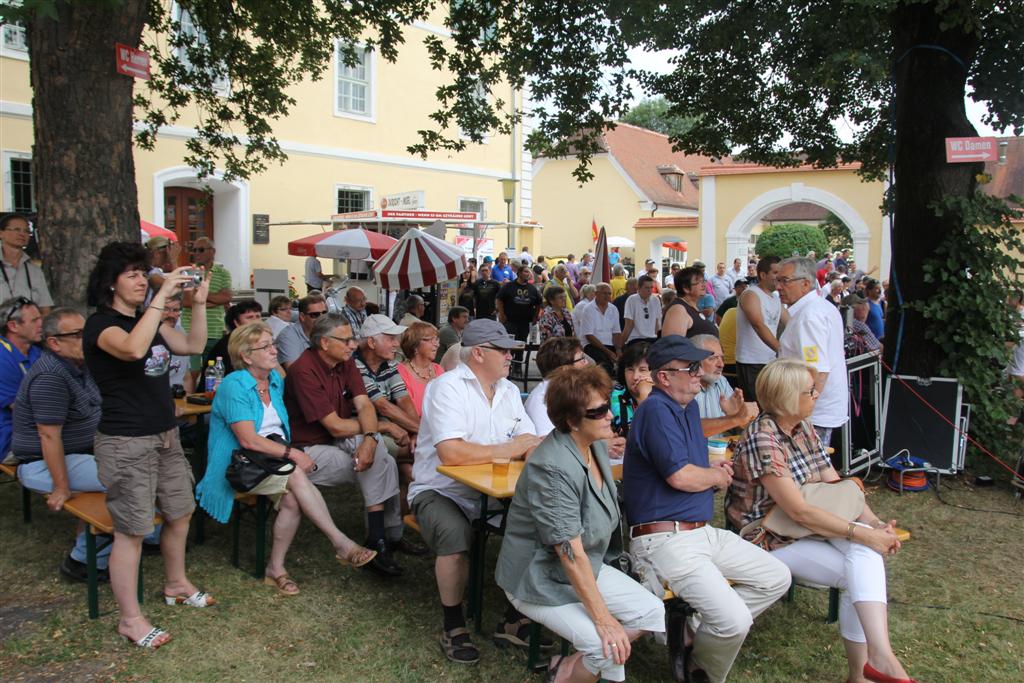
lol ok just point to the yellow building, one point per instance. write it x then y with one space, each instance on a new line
346 140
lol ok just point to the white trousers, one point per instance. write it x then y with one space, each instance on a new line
698 566
855 569
629 602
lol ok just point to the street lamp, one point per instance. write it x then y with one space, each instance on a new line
508 193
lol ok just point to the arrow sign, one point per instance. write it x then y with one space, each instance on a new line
970 150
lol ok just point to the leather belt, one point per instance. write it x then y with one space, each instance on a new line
663 527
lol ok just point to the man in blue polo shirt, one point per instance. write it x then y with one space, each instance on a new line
22 329
669 492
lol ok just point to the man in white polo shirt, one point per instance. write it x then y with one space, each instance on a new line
599 329
815 335
471 415
643 313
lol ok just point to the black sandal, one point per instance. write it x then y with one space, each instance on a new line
458 647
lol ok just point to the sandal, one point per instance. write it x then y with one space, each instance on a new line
552 673
149 641
356 557
197 599
284 584
458 647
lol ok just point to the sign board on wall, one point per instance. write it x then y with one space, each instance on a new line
971 150
405 201
131 62
484 247
261 228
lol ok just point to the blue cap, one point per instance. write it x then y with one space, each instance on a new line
488 259
673 347
706 301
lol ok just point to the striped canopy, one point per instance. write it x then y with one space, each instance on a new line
418 260
153 230
354 243
602 266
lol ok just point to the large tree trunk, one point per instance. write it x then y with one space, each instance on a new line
929 101
84 173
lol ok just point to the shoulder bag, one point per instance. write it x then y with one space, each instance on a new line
843 498
248 468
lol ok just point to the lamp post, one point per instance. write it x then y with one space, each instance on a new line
508 193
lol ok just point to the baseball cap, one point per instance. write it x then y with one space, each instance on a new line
380 324
158 242
487 331
488 259
699 264
673 347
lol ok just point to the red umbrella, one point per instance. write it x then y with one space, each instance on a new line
418 260
153 230
354 243
602 266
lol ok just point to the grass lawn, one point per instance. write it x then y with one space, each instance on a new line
956 609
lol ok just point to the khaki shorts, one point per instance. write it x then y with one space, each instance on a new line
443 525
273 487
393 449
141 473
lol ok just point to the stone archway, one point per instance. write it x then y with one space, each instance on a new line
738 232
230 213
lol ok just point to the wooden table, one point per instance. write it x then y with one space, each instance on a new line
198 412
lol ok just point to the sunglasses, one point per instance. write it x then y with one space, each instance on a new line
647 313
598 412
16 306
198 250
692 369
73 334
314 314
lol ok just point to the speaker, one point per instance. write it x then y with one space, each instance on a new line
908 423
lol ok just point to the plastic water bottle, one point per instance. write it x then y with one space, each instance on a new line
218 372
209 378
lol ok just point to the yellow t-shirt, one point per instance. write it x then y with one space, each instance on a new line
727 335
618 286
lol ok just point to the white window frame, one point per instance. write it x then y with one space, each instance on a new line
371 98
221 86
5 159
483 212
483 95
368 189
10 49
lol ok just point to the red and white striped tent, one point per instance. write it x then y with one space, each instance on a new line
418 260
602 265
153 230
354 243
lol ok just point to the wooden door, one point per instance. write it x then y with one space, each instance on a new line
189 213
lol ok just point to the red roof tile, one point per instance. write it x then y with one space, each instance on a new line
667 222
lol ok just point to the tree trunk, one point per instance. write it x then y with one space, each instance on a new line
929 101
84 172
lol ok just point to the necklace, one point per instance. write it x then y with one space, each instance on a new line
426 378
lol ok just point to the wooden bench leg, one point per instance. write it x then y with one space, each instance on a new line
92 581
791 593
262 515
200 518
833 606
26 505
676 613
533 654
236 533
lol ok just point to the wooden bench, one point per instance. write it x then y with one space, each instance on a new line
410 521
261 509
26 495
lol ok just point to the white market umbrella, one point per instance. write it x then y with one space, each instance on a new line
355 243
418 260
621 242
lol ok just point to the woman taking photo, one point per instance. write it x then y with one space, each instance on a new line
555 320
563 526
632 385
249 413
419 346
138 455
779 453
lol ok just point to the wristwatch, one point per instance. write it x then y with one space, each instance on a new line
372 435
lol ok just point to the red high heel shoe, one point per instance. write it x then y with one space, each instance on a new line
873 674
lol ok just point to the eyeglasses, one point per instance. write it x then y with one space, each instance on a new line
198 250
812 392
16 306
20 231
598 412
314 314
786 280
73 334
343 340
264 347
495 348
692 369
581 359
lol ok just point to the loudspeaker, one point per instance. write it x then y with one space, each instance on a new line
908 423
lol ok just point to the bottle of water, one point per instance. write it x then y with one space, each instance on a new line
209 377
218 372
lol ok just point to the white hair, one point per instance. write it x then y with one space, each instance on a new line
803 268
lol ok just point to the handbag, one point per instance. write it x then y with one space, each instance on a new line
843 498
248 468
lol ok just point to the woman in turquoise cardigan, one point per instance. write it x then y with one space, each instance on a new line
247 410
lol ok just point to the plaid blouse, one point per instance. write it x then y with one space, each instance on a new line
767 450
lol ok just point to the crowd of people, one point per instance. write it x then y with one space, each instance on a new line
641 370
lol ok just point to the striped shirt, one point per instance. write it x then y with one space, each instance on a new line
767 450
355 320
55 392
385 383
220 280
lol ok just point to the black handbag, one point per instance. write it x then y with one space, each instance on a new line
249 468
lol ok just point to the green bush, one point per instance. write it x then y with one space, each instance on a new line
792 239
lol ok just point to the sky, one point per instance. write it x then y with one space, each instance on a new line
658 63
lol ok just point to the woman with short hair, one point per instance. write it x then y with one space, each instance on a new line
779 453
555 320
249 413
633 384
419 346
562 531
555 353
280 314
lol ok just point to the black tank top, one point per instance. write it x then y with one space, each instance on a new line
700 325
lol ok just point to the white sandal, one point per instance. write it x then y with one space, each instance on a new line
147 640
197 599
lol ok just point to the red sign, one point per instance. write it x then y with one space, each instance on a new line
970 150
132 62
431 215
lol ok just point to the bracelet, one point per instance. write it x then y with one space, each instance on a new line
287 450
849 531
155 308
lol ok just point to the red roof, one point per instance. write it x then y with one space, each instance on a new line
667 222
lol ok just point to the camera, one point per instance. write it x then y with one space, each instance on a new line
196 279
177 391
